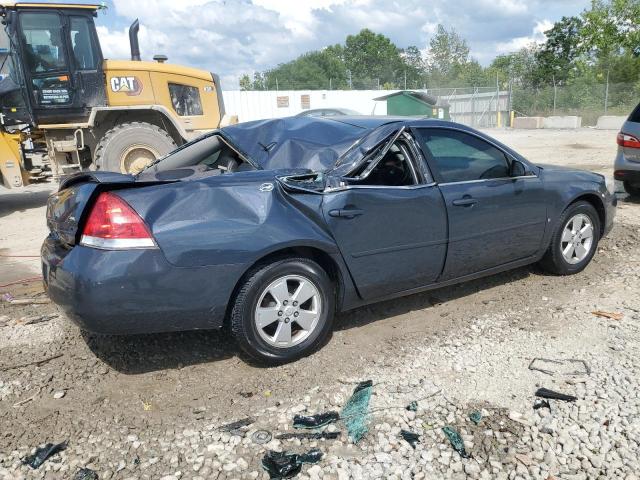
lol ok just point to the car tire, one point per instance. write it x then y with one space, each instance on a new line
631 189
268 292
128 147
560 258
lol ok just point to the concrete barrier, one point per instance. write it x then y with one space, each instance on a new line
610 122
567 122
527 123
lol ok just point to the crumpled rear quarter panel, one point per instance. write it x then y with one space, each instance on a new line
228 220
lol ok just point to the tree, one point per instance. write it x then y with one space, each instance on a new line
448 51
245 82
557 57
313 70
611 27
519 67
373 59
415 67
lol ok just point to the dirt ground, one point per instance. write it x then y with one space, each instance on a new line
151 384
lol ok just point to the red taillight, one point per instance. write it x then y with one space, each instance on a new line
628 141
113 224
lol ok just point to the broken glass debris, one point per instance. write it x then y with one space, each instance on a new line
286 465
546 393
42 453
475 417
356 412
315 421
410 437
456 441
309 435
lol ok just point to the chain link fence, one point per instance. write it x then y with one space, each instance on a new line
587 100
486 106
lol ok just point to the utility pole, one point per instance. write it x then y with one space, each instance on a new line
350 84
606 93
378 82
497 101
277 84
329 83
555 93
405 79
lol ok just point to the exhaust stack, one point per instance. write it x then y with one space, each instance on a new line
133 40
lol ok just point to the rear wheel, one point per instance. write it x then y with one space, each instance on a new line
574 241
632 189
284 310
130 147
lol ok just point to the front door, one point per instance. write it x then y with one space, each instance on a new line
390 226
62 65
494 218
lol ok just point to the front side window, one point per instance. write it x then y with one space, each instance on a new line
461 157
85 51
43 41
388 165
185 99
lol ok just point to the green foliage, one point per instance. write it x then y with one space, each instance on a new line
580 54
448 54
557 57
610 28
372 57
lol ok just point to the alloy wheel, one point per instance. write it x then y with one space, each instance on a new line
577 239
288 311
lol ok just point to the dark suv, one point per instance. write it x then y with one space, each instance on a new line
627 164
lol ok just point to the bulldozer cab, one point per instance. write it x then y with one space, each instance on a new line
56 71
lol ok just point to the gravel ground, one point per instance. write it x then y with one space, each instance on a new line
152 407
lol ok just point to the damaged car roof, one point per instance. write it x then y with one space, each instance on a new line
314 142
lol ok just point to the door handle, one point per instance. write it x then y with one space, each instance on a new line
465 202
345 212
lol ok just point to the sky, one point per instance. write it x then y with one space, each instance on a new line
233 37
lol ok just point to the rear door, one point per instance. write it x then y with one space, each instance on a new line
494 218
390 224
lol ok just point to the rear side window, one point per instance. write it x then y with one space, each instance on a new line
635 115
460 157
185 99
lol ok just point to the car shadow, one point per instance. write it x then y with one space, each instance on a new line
628 199
136 354
420 301
21 200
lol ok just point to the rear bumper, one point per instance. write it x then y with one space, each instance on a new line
632 176
135 291
624 169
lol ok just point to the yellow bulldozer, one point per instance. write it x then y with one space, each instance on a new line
64 108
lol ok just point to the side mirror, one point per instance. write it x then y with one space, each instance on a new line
518 169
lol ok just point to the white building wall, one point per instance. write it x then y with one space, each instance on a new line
256 105
475 109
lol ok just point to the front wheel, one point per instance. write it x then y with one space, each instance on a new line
574 241
284 310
